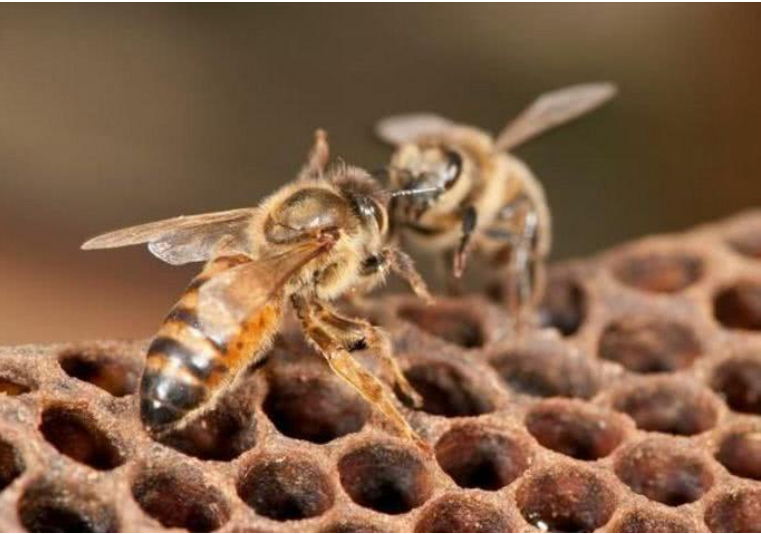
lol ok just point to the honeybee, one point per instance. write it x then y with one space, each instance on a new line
309 243
466 192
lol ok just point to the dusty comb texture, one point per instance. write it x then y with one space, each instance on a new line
637 409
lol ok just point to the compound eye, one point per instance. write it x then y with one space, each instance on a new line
369 209
453 168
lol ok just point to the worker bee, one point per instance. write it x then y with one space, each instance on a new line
306 245
465 192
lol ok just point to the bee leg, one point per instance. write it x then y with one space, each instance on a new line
356 334
345 366
469 222
524 283
402 265
317 159
452 284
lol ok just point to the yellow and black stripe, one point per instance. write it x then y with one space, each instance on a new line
185 367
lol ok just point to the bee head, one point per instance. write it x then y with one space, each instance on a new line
426 177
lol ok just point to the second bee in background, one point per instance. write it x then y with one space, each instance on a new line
465 192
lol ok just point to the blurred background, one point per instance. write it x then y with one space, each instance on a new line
120 114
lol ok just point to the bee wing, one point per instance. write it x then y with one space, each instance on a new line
401 129
229 298
184 239
553 109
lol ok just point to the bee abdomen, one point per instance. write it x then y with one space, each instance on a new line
174 381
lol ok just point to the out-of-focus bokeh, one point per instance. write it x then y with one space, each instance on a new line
120 114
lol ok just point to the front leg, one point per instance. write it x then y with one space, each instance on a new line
344 365
469 223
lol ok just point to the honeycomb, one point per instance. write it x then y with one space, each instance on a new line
637 408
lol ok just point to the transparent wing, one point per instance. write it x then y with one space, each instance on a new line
228 299
553 109
184 239
401 129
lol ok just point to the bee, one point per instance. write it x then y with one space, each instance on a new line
467 193
306 245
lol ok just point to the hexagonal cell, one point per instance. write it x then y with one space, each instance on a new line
314 408
649 344
446 391
494 458
13 387
738 379
285 487
651 520
463 513
668 406
739 306
47 506
222 433
746 242
736 511
547 371
664 473
75 433
576 429
114 374
455 324
11 464
566 499
740 452
564 305
659 272
179 497
385 477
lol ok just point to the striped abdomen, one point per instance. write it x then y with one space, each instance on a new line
184 368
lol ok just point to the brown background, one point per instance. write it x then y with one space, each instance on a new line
113 115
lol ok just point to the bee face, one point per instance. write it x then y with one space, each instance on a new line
433 171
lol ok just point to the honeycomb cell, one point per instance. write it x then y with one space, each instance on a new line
739 306
737 511
75 433
446 391
740 452
455 324
13 387
575 429
386 478
668 406
564 306
659 272
547 371
222 433
566 499
314 408
110 373
494 458
49 507
649 344
461 513
284 487
661 472
651 520
11 464
178 497
739 381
